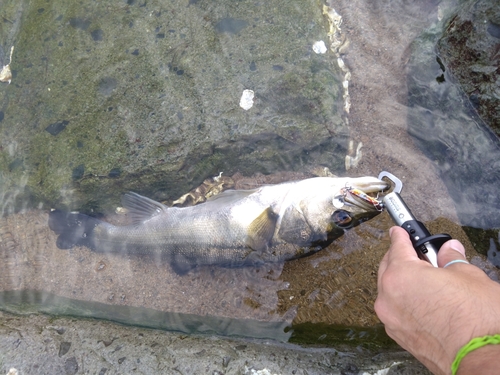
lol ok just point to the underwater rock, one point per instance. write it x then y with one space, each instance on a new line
64 348
164 109
79 23
230 25
71 366
447 128
470 49
97 35
57 127
27 342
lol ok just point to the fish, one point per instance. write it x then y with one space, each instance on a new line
272 223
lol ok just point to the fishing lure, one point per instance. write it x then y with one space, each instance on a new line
379 206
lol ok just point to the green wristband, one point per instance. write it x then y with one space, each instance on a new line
473 344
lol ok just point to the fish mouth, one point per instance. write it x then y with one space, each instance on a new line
365 201
362 197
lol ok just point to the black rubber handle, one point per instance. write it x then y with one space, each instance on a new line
420 235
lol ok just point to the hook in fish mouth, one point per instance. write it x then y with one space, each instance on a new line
358 198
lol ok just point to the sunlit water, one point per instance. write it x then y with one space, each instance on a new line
334 288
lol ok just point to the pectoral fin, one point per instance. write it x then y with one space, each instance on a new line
181 264
261 230
294 228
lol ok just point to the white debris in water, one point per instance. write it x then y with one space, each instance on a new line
338 44
384 371
251 371
246 101
319 47
352 161
334 17
121 210
217 178
347 104
13 371
340 62
345 95
439 13
5 73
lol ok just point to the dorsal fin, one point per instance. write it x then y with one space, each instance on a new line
141 208
261 230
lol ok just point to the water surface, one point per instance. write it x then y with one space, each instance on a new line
144 96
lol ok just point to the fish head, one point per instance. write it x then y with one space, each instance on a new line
332 205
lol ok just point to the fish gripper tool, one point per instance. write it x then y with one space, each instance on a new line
425 244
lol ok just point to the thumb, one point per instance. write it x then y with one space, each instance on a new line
450 251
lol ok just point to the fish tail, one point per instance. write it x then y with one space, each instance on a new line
73 228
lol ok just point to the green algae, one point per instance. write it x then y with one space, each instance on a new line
322 334
481 238
153 90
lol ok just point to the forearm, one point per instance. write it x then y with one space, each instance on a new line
485 361
434 312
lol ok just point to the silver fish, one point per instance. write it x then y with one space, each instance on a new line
238 227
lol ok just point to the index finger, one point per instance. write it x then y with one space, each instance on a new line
399 240
401 247
401 250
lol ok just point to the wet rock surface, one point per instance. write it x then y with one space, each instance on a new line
104 348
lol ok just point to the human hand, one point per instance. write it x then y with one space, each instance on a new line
432 312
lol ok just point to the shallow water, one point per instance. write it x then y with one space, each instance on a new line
148 122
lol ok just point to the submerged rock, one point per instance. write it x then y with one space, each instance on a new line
153 90
27 343
470 49
447 128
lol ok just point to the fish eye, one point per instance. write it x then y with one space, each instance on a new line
342 219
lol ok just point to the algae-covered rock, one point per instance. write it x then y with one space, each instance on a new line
144 96
470 49
449 131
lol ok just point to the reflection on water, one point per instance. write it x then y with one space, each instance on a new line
92 117
32 301
31 260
